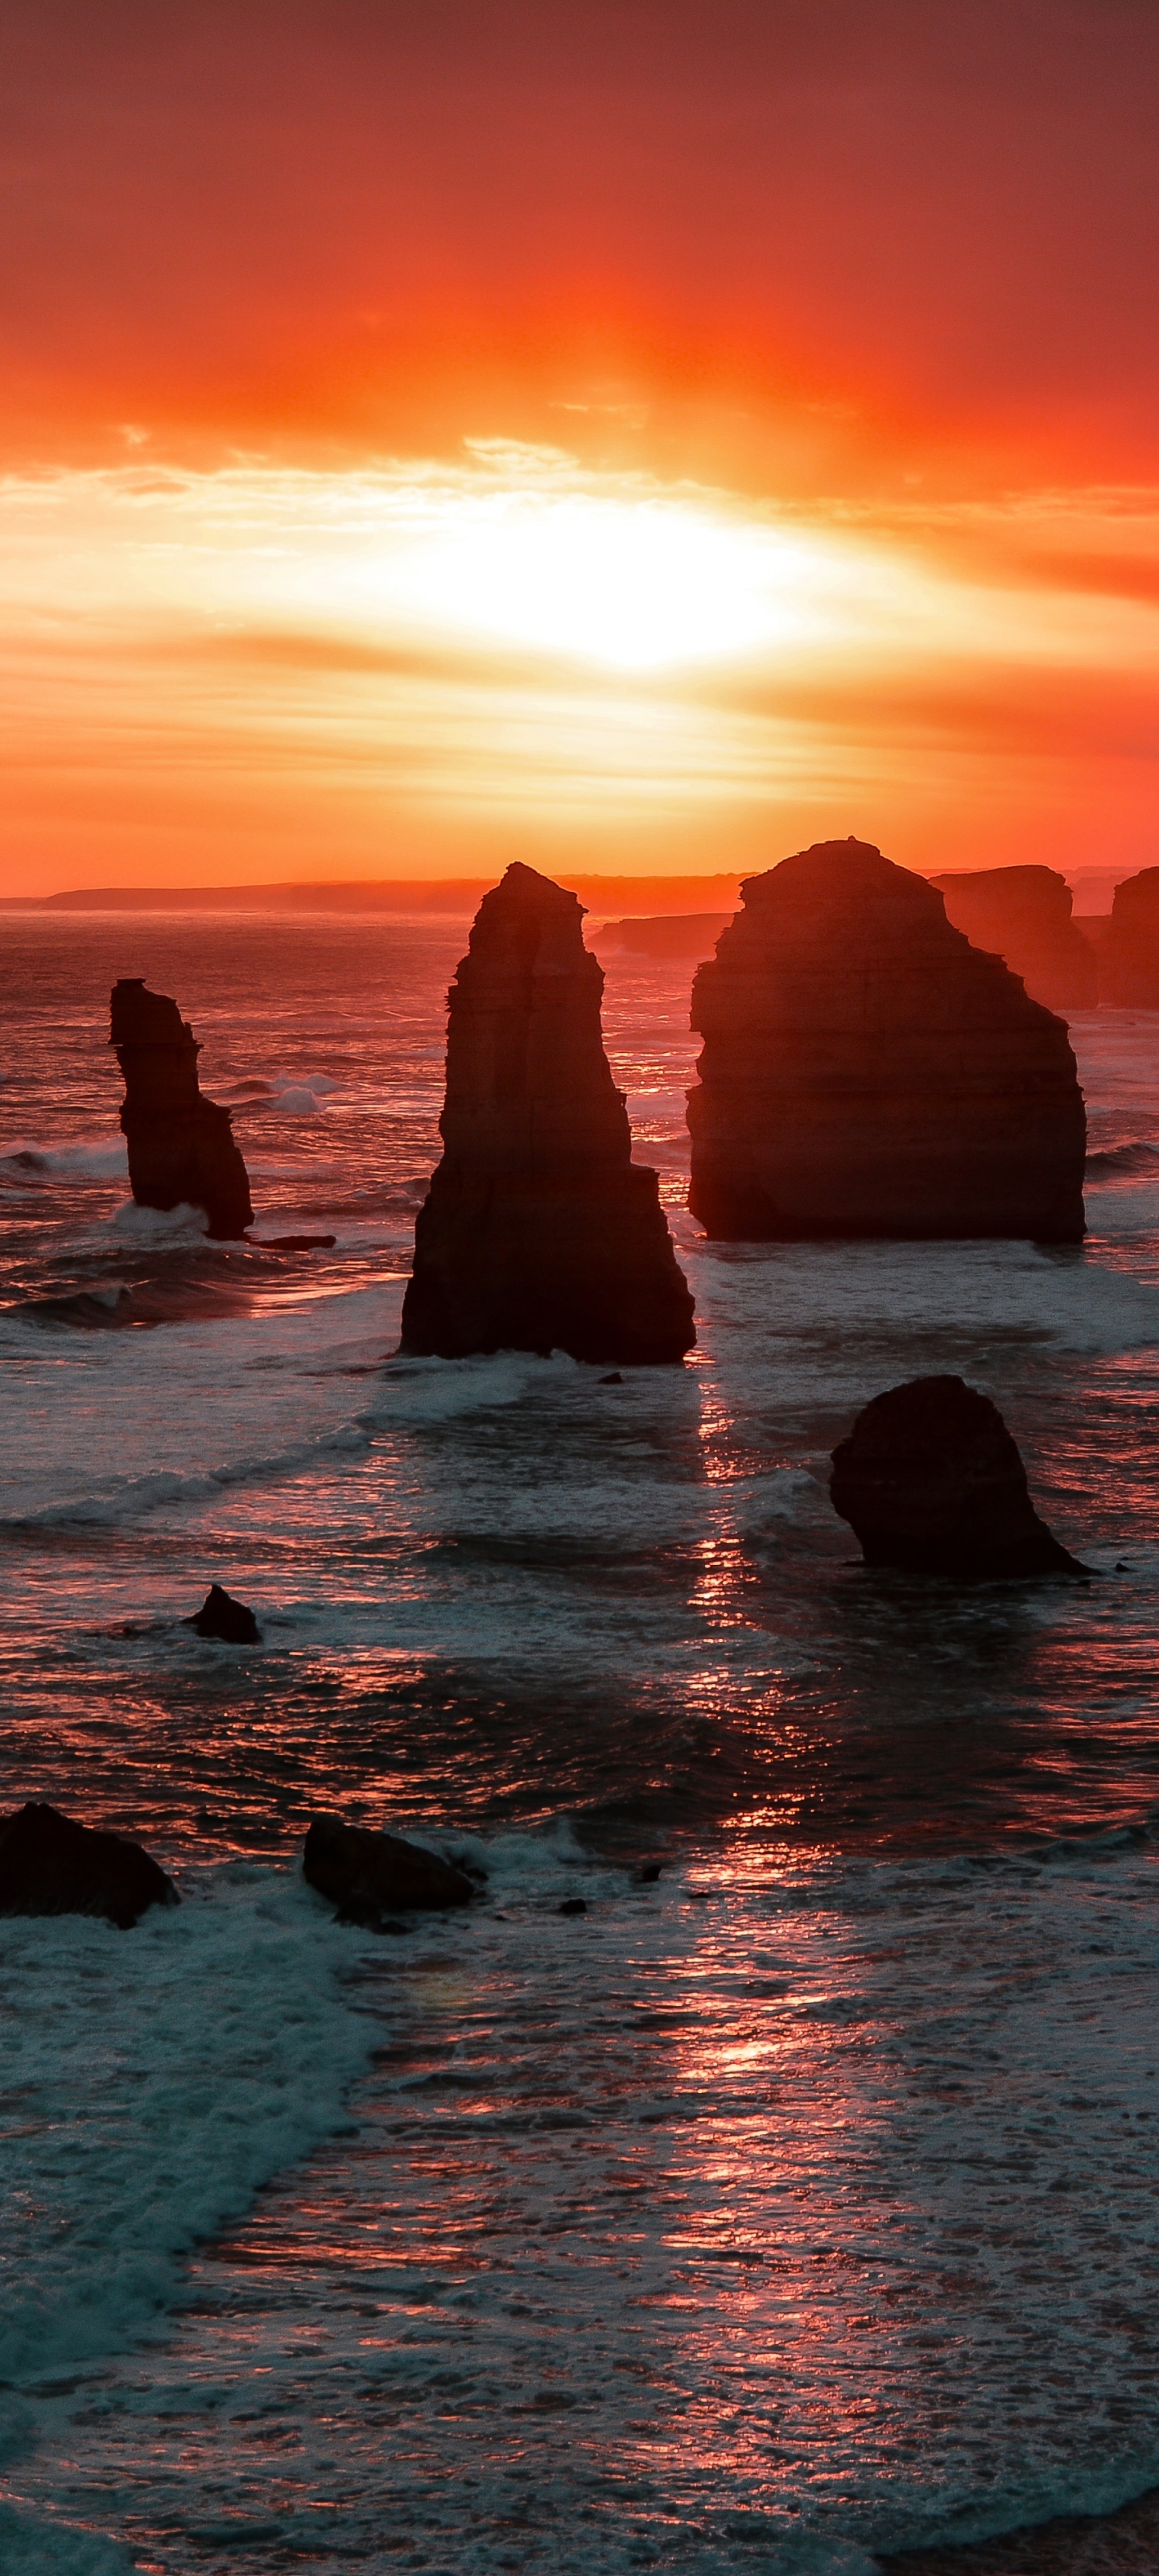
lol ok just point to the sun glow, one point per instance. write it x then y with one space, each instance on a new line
636 585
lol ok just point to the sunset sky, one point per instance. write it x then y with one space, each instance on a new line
641 436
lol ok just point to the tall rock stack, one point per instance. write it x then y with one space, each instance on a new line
181 1146
866 1072
538 1232
1026 915
1129 957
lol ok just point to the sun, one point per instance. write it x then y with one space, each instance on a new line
633 585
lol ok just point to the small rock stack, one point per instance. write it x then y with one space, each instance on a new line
1025 914
181 1147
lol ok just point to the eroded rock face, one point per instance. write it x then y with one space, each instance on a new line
1129 954
51 1865
367 1874
866 1072
539 1233
181 1146
931 1481
1025 914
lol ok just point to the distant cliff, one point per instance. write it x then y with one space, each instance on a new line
865 1071
1025 914
1129 953
538 1232
181 1146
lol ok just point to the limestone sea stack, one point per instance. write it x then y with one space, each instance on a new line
181 1147
538 1232
866 1072
931 1481
1129 955
1025 914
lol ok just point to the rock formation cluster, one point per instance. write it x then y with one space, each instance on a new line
538 1232
931 1481
181 1146
866 1072
1129 953
1025 914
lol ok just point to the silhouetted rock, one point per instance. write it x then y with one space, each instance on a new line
866 1072
1026 915
223 1617
181 1146
367 1874
1129 956
294 1242
931 1481
49 1865
538 1232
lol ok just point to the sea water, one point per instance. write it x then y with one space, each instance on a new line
799 2203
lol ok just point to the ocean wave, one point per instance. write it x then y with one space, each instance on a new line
123 1499
1134 1157
119 2160
52 2548
106 1159
161 1226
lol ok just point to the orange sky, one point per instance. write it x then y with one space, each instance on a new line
639 435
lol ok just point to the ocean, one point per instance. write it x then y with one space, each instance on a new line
796 2204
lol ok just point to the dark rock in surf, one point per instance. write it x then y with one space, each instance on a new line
1025 914
51 1865
866 1072
367 1874
293 1242
1129 953
931 1481
229 1620
181 1146
538 1232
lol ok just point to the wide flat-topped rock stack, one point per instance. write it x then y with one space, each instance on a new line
538 1232
866 1072
1129 954
1026 916
181 1146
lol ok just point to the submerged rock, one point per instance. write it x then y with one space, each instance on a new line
866 1072
367 1874
1129 953
538 1232
181 1146
50 1865
223 1617
1026 914
931 1481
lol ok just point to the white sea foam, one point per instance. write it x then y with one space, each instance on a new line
163 1228
153 2080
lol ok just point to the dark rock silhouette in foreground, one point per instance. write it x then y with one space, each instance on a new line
538 1232
181 1146
367 1875
223 1617
866 1072
49 1865
1129 953
1026 915
931 1481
